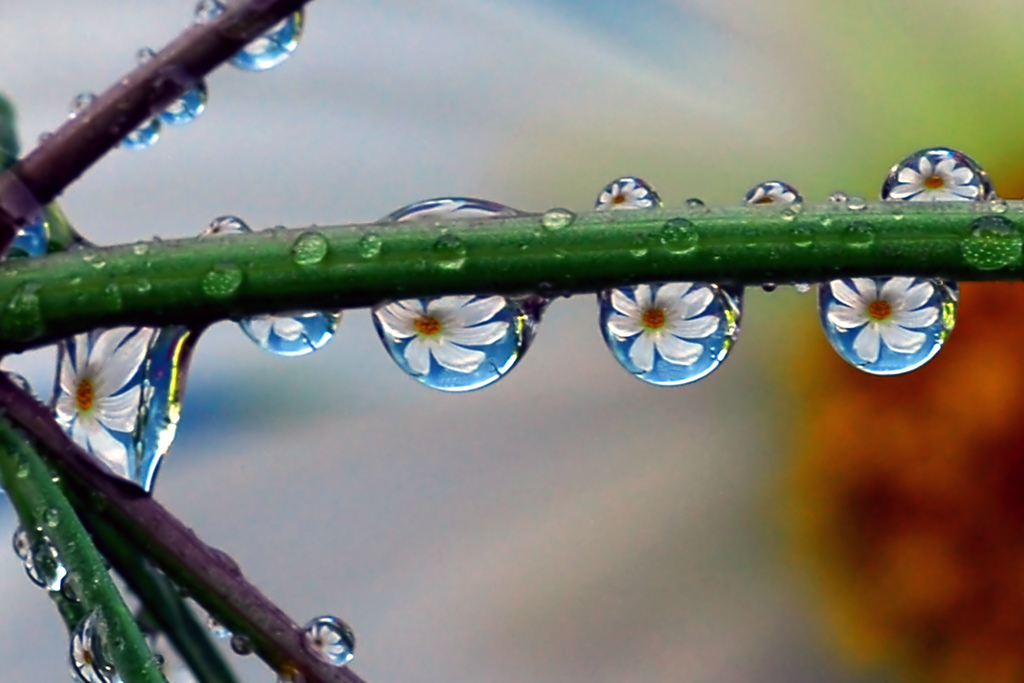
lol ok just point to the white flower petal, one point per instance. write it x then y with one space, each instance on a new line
847 317
902 340
925 167
694 303
409 308
867 344
894 289
922 317
481 335
915 297
447 305
909 176
68 376
417 355
624 304
623 326
906 191
457 358
642 352
259 327
80 430
287 327
643 296
108 449
670 293
122 364
119 413
678 351
106 343
476 312
945 167
849 296
964 192
396 321
694 328
866 289
81 354
961 176
66 408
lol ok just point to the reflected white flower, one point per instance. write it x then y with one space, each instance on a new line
664 323
86 662
626 193
93 398
331 640
887 313
947 180
287 327
444 329
773 192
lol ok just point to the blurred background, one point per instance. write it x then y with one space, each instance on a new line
786 519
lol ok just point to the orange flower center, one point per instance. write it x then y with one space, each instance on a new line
880 309
654 318
619 199
84 395
767 199
934 183
428 326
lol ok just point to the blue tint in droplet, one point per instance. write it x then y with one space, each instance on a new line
32 239
627 192
186 108
144 136
444 208
937 174
887 326
670 334
331 639
273 47
773 192
292 334
455 343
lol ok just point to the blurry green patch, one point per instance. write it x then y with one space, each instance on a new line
8 134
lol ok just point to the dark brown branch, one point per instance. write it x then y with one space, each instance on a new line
57 162
208 574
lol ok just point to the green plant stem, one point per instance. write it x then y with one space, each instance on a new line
209 575
198 281
36 497
41 176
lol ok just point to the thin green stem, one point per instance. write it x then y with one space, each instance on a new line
198 281
39 499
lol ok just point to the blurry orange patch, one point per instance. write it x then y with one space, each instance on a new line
908 495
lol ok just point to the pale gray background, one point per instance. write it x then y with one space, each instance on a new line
566 524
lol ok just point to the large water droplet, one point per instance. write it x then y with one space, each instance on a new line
772 192
31 240
456 343
887 326
670 334
937 174
627 192
186 108
267 51
226 225
993 243
445 208
556 219
89 662
44 566
241 645
292 334
144 136
309 249
331 639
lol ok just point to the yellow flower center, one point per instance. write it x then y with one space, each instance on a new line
934 183
880 309
428 326
654 318
84 395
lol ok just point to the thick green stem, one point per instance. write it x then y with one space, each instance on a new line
198 281
39 501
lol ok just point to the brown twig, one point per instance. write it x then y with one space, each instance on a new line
210 576
57 162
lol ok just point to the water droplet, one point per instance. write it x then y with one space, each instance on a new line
450 252
219 631
144 55
226 225
773 192
94 259
267 51
446 208
790 213
887 326
80 103
556 219
140 249
44 566
331 640
292 334
21 543
998 205
144 136
627 192
859 234
31 240
186 108
802 287
679 236
309 249
20 382
457 343
696 205
67 589
370 245
223 281
856 204
89 662
207 10
670 334
937 174
241 645
51 517
839 197
994 242
23 318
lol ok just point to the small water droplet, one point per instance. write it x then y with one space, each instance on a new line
51 517
80 103
144 136
309 249
556 219
20 382
456 343
993 243
696 205
186 108
223 281
856 204
21 543
887 326
44 566
802 287
627 192
292 334
144 55
789 213
998 205
67 589
370 245
450 252
219 631
241 645
859 235
23 318
225 225
32 239
207 10
94 259
673 333
267 51
773 192
89 660
143 286
679 236
839 197
331 639
140 249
